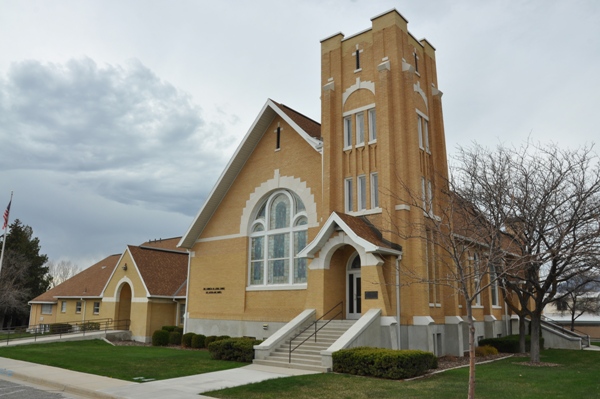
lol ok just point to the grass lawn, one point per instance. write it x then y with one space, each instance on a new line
595 343
576 377
122 362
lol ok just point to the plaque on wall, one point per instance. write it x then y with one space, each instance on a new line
371 294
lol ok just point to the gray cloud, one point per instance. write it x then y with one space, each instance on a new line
119 131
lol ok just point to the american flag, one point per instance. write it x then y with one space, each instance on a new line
6 213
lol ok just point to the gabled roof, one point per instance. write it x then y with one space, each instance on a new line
164 243
88 283
359 229
308 129
162 271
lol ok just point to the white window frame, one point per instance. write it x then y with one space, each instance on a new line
182 313
360 128
63 306
45 307
96 307
423 131
347 132
361 192
423 195
372 125
374 190
78 307
494 286
297 214
476 278
348 188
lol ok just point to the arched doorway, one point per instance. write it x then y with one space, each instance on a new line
124 309
353 288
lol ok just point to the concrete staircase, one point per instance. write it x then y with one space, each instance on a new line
308 355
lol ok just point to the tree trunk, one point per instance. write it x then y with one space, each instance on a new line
535 338
471 394
522 334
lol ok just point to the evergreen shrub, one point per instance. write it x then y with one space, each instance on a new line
234 349
160 338
175 338
383 363
186 339
209 339
60 328
510 343
198 341
169 328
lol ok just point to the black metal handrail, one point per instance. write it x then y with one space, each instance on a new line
314 323
63 328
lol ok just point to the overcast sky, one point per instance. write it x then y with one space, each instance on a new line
117 117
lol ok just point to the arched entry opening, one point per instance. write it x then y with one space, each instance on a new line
353 288
124 307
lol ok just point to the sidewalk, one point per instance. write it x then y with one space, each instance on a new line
94 386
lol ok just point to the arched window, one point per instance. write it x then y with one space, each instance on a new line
277 233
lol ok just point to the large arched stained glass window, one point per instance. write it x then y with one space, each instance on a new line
278 232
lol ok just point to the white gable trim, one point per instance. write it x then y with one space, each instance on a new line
329 229
269 111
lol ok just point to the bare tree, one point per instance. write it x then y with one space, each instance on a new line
547 199
61 271
579 295
464 252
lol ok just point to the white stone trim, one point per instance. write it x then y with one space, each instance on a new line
423 320
277 287
418 89
402 207
291 183
219 238
367 84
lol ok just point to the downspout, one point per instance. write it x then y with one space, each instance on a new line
187 292
398 259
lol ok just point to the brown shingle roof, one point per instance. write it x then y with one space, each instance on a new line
307 124
88 283
364 229
163 272
164 243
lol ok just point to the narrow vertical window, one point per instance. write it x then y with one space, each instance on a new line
429 197
96 307
372 126
362 192
423 194
420 130
63 306
348 194
347 132
426 134
416 61
476 279
374 191
360 128
78 307
494 285
278 144
357 54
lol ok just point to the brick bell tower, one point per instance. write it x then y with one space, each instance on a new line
383 134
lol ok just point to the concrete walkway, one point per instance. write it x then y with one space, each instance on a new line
93 386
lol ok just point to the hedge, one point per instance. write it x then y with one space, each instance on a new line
160 338
235 349
510 343
175 338
198 341
90 326
186 339
383 363
169 328
60 328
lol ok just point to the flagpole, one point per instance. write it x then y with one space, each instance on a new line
5 231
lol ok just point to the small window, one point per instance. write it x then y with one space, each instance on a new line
494 286
423 194
477 279
360 128
416 61
47 308
278 140
374 190
63 306
181 313
423 132
347 132
362 193
420 130
96 307
348 194
372 126
78 307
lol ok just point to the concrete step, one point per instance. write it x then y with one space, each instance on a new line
291 365
301 350
296 357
